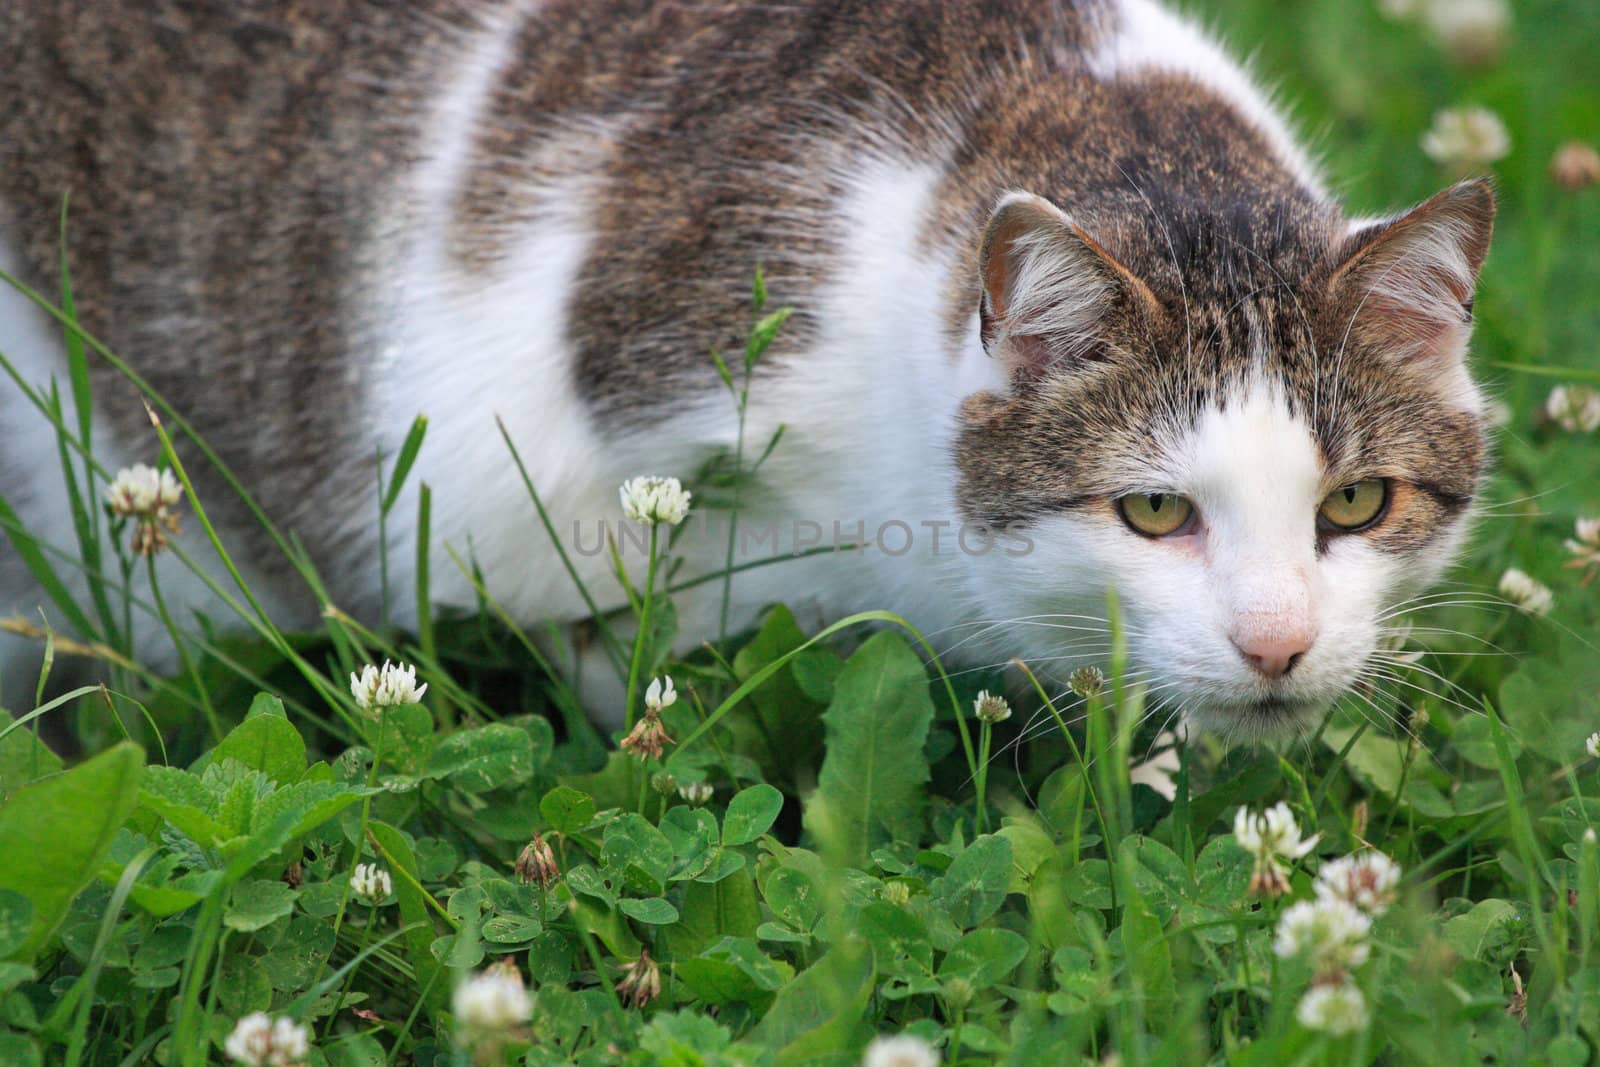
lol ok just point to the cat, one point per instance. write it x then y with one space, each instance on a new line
1066 291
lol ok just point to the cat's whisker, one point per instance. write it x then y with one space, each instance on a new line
1389 678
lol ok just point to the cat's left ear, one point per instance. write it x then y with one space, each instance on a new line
1049 289
1406 285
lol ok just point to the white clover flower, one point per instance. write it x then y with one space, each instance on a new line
148 496
1331 933
991 708
655 500
393 685
1574 408
660 694
259 1041
1466 139
141 491
371 883
1525 593
901 1050
1585 548
1592 745
1333 1009
1575 166
696 794
1471 32
490 1004
1368 881
1399 10
1273 837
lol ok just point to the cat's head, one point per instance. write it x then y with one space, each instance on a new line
1263 443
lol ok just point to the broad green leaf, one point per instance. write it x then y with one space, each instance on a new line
723 863
242 986
712 911
1160 877
586 880
1536 703
165 946
1143 940
183 800
356 1050
550 958
158 891
638 852
512 929
685 1038
566 809
735 971
974 886
789 719
414 909
751 813
1472 739
1478 933
715 982
1031 848
793 897
16 920
264 742
692 832
408 739
821 1010
283 815
19 1050
300 954
895 934
779 932
56 832
655 911
256 903
23 757
870 790
485 758
984 957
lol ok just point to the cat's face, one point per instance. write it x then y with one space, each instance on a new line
1262 467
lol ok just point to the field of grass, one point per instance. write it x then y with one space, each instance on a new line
831 846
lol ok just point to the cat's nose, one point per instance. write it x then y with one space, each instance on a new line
1273 655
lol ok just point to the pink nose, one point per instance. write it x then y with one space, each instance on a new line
1275 655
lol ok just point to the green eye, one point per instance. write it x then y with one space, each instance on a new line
1155 514
1354 506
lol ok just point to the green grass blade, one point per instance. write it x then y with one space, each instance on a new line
614 649
404 461
27 549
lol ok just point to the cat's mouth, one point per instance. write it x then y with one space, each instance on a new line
1268 714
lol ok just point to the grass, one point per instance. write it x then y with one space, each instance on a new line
871 859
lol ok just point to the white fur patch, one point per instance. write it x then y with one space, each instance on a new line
1150 37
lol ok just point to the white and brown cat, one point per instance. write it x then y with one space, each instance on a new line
1059 270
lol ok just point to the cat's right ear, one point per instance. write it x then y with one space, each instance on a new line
1048 288
1406 285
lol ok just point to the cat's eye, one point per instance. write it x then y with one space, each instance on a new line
1156 514
1355 506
